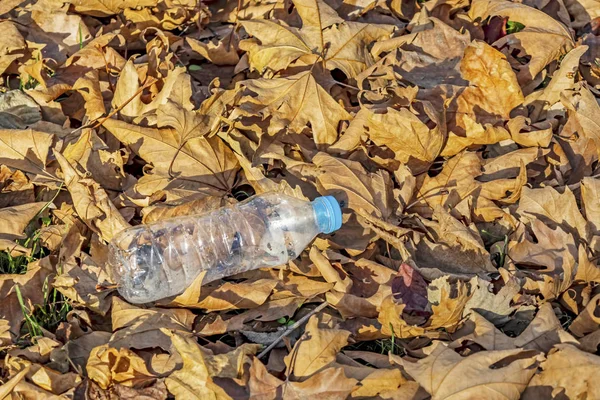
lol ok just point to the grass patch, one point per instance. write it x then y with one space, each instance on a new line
45 316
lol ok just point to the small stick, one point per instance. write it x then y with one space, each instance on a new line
292 328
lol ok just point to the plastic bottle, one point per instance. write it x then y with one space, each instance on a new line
162 259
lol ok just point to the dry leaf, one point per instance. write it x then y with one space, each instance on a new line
284 100
91 202
315 349
460 377
568 371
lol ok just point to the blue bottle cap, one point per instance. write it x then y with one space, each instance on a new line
328 213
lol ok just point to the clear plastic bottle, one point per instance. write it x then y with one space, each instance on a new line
162 259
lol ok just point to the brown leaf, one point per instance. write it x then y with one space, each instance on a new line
543 38
496 308
235 296
315 349
562 80
553 208
419 62
342 44
79 350
330 383
12 45
449 187
91 202
223 52
26 150
568 371
353 185
464 377
193 380
590 193
139 328
494 89
105 8
484 333
588 320
456 249
413 142
107 365
543 332
94 155
199 165
284 100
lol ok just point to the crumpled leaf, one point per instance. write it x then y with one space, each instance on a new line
543 38
91 202
493 91
194 379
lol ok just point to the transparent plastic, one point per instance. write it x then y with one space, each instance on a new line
162 259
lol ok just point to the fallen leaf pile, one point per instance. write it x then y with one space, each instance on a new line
461 137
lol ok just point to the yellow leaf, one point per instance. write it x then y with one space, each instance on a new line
316 349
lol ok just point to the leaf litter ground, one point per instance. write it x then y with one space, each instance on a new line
461 138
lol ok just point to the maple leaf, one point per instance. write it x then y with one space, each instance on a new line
323 36
463 377
292 103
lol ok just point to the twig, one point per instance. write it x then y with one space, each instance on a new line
292 328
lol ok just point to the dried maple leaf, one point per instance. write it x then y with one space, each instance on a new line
445 374
588 320
323 36
26 150
91 202
543 38
107 365
455 182
447 306
94 155
455 248
425 58
361 189
562 80
554 209
105 8
195 378
331 383
413 141
496 308
316 348
138 328
568 371
201 164
223 52
493 91
590 193
12 45
292 103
